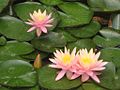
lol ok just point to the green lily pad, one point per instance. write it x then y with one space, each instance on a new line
3 40
91 86
110 78
111 55
51 2
13 49
24 9
47 80
17 73
74 14
49 42
111 38
86 31
34 54
3 4
104 5
82 43
14 28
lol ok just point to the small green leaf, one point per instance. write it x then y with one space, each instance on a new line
74 14
17 73
47 80
86 31
49 42
14 28
111 55
82 43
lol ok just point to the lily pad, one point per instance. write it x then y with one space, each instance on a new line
74 14
111 38
47 80
104 5
91 86
13 49
49 42
82 43
3 4
24 9
17 73
86 31
14 28
111 55
51 2
110 78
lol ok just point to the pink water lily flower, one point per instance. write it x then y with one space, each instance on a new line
88 65
64 61
40 22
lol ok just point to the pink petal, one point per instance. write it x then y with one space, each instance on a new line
90 73
84 78
31 29
54 66
44 29
75 76
69 74
49 21
48 25
97 55
60 75
38 32
53 61
94 77
103 64
29 23
98 68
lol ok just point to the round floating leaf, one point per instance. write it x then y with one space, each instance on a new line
91 86
104 5
17 73
110 78
24 9
13 49
86 31
13 28
3 4
18 48
47 80
49 42
82 43
111 55
51 2
2 40
74 14
110 38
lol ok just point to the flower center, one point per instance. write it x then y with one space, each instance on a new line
42 17
66 59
